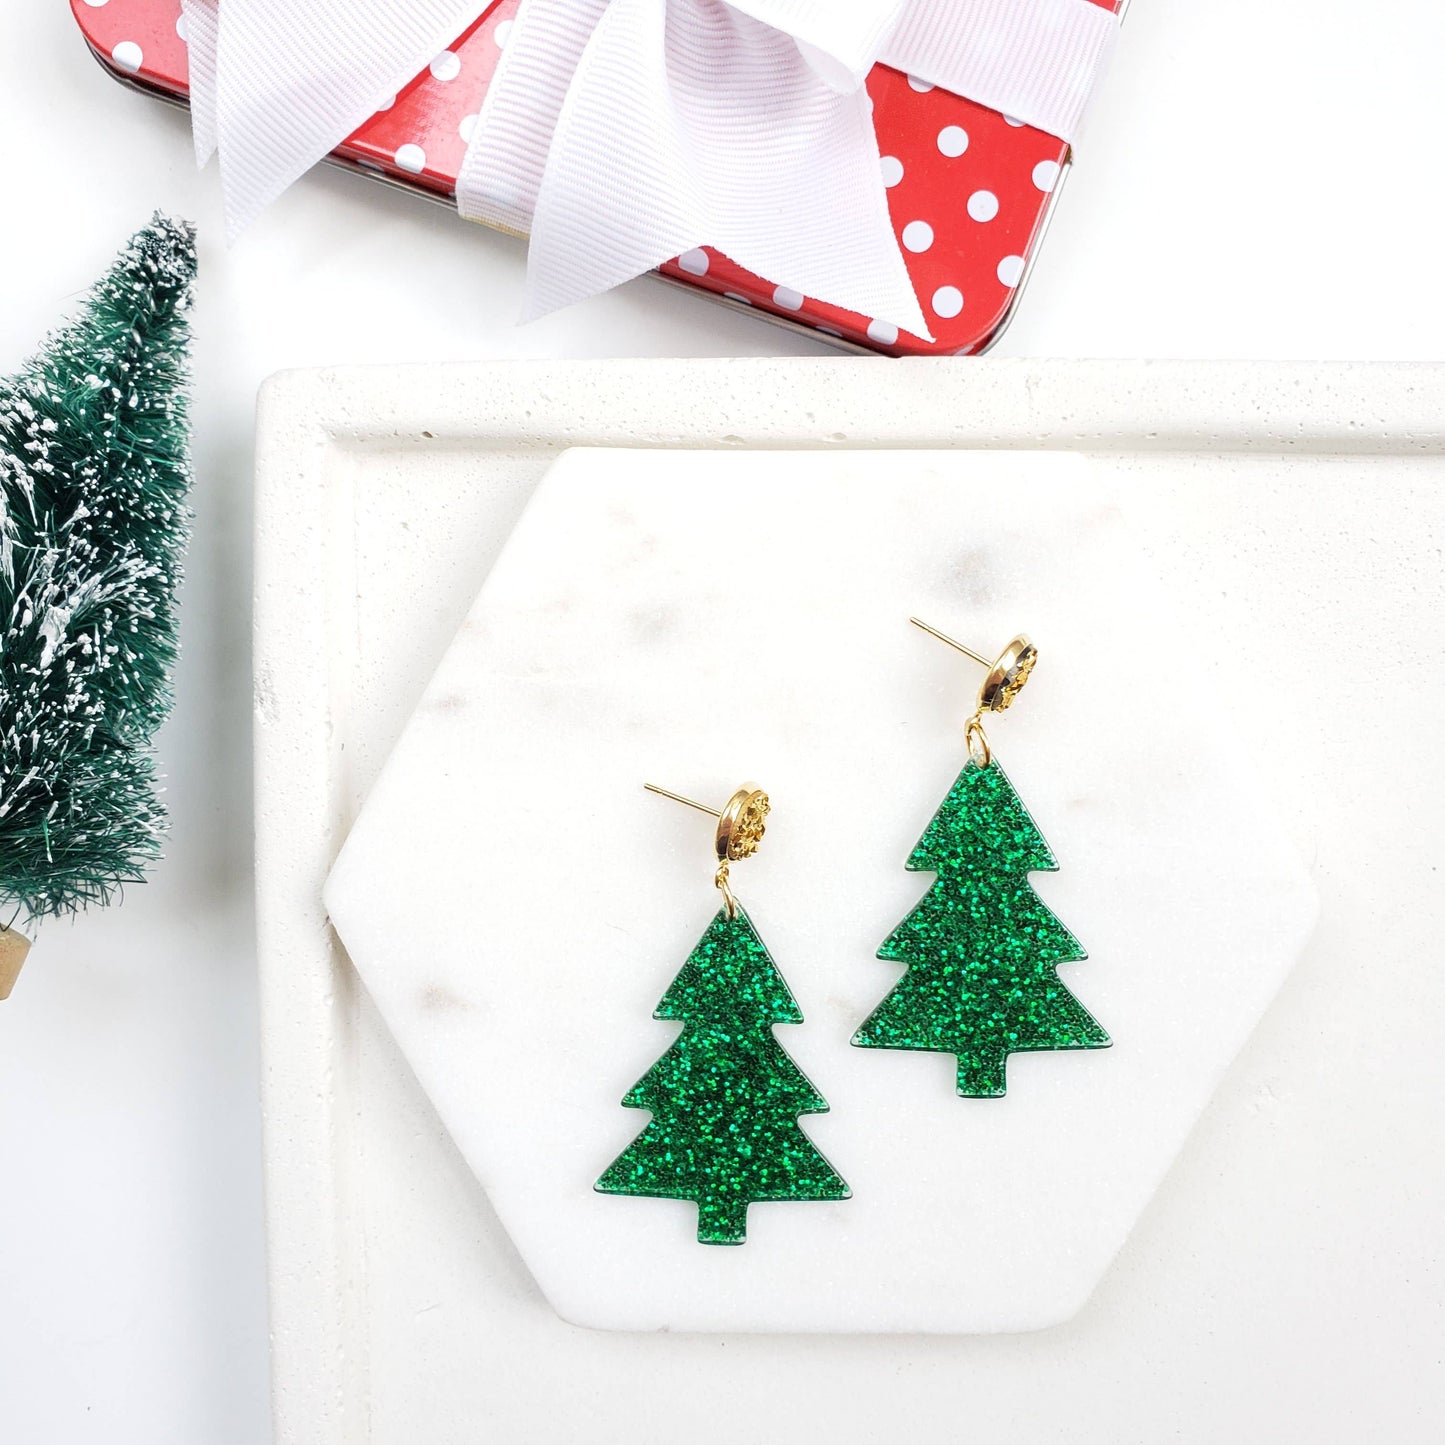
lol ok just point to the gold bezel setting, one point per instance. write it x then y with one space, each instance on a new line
1007 676
742 823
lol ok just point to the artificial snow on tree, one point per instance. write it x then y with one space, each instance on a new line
726 1097
982 948
94 473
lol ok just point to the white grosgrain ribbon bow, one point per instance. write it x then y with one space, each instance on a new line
621 133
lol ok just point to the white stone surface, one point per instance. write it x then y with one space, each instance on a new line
516 904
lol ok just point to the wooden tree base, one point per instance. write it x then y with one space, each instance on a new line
13 948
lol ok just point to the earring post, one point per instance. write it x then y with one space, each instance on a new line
952 642
687 802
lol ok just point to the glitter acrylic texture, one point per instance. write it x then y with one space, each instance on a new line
982 948
725 1098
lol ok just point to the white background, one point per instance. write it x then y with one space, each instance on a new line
1258 181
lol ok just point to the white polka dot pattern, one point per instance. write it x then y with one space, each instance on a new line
983 205
918 236
947 302
952 141
447 66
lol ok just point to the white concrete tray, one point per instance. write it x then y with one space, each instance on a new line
1295 510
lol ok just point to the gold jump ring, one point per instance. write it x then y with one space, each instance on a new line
976 740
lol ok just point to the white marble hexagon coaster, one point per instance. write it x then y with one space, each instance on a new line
517 904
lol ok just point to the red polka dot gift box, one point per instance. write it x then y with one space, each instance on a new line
969 190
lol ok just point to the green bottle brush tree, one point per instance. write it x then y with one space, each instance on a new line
94 476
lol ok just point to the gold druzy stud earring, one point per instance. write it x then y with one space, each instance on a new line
982 950
726 1097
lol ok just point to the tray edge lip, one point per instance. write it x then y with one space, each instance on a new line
976 401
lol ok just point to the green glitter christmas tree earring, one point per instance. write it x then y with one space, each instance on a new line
981 947
725 1098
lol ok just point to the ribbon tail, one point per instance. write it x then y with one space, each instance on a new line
695 125
501 173
293 81
617 197
202 32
